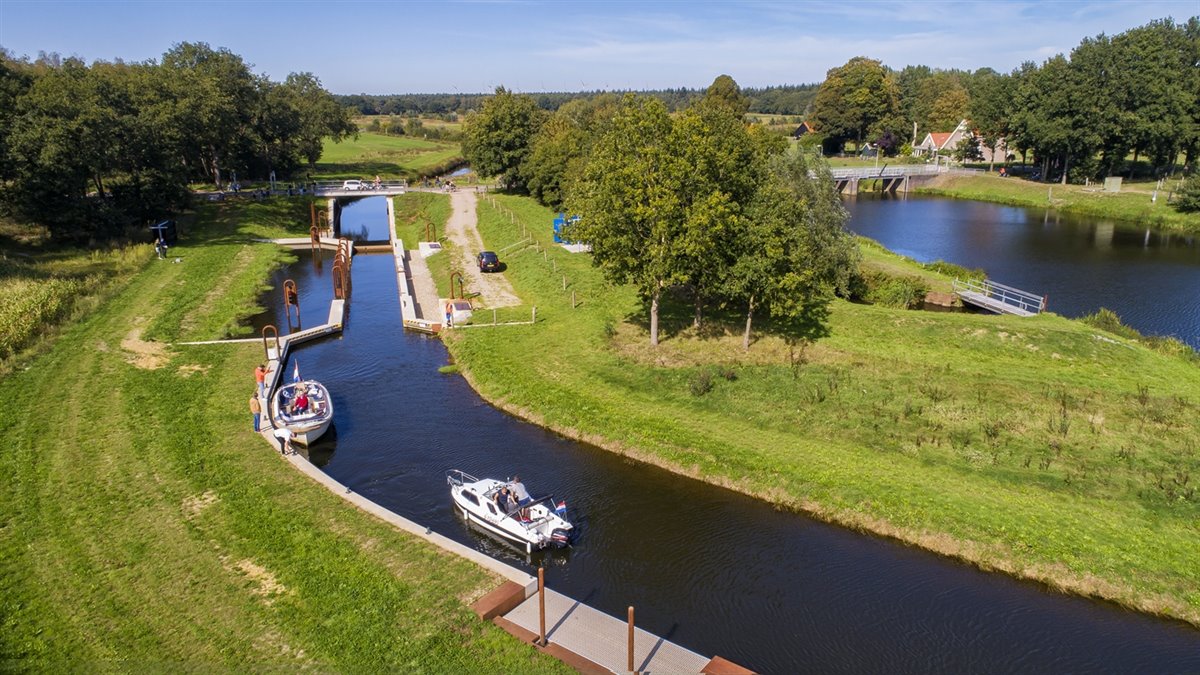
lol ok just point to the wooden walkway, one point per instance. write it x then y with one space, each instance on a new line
603 639
998 298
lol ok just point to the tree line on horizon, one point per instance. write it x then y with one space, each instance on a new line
785 99
93 151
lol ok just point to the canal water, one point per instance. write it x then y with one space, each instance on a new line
707 568
1150 279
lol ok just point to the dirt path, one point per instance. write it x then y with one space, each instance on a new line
494 289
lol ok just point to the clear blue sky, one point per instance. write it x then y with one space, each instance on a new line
400 47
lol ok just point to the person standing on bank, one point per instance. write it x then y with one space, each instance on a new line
260 376
285 440
256 409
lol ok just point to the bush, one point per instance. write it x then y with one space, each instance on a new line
701 382
1107 320
1187 200
29 306
957 271
904 292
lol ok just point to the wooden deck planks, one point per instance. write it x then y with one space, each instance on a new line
603 639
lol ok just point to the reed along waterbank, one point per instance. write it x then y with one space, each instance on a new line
1039 447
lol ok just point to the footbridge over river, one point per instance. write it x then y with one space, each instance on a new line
890 178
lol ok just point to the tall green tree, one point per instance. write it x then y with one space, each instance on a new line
630 200
727 168
990 109
725 91
794 253
558 150
496 140
854 100
320 115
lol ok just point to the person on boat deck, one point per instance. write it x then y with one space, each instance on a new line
500 497
300 403
517 489
511 504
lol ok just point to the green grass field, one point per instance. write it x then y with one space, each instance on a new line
144 527
387 156
1133 204
420 214
1041 447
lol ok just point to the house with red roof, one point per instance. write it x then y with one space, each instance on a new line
945 143
941 143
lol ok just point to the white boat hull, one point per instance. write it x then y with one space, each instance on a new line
543 528
306 428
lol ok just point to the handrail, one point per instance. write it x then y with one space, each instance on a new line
1008 295
462 478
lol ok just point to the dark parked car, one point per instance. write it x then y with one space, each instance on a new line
488 262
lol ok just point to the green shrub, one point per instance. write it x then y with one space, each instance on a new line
701 382
1187 199
28 306
903 292
957 271
1107 320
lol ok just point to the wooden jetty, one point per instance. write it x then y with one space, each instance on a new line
998 298
603 639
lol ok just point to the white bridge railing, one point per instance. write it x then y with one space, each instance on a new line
889 171
338 187
1000 294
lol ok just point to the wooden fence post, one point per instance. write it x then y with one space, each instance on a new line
533 319
564 282
572 299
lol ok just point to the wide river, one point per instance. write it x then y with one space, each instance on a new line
710 569
1150 279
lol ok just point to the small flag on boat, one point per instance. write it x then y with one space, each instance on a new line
561 507
296 372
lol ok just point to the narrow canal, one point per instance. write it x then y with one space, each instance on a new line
1150 279
707 568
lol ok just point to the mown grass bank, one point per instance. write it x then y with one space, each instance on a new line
420 214
1041 447
144 526
1132 205
387 156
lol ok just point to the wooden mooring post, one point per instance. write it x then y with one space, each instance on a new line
542 606
630 668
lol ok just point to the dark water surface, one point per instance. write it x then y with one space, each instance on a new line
710 569
1150 279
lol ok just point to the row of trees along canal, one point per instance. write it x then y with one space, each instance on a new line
90 150
697 201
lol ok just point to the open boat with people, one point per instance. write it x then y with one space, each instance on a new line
532 523
304 408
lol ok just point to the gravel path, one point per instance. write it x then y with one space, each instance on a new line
494 288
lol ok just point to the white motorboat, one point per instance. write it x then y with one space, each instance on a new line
535 524
304 408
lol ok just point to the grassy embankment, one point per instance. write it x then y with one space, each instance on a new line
419 213
143 524
391 157
1041 447
1131 205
